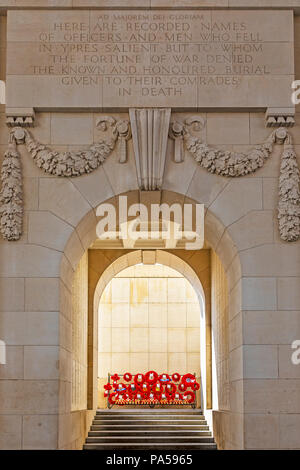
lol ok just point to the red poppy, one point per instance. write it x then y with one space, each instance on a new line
107 386
115 378
151 377
182 387
170 388
127 376
191 395
195 386
164 378
188 380
112 398
176 377
139 379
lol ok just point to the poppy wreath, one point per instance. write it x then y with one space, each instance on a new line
170 396
176 377
164 378
107 386
170 388
127 376
115 378
145 388
195 386
151 377
157 387
188 380
120 388
182 387
112 398
139 379
191 395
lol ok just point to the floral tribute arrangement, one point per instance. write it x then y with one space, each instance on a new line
151 389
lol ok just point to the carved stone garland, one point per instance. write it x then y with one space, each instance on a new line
52 162
233 164
221 162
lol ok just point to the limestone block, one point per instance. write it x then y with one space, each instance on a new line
176 340
158 315
236 364
29 328
226 249
11 432
104 340
176 362
29 396
95 187
205 187
271 260
261 431
288 293
138 315
120 363
104 315
122 178
138 290
237 198
227 128
272 396
175 180
193 363
193 315
41 362
259 293
28 260
177 315
120 339
255 228
11 294
120 290
104 364
158 361
235 336
41 294
120 315
139 340
74 249
176 290
260 361
267 327
158 338
40 432
139 362
193 340
287 369
60 196
157 289
289 431
71 128
13 369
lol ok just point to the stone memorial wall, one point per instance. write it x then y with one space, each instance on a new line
120 59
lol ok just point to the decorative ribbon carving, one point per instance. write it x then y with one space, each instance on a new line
52 162
232 164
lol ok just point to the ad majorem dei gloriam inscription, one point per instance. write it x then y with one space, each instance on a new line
149 58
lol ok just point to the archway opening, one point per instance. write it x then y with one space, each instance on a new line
149 319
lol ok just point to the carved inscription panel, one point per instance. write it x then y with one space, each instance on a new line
120 59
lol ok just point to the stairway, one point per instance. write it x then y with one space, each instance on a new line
142 429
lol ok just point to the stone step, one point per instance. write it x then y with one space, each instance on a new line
148 417
151 446
148 439
149 422
154 433
164 427
152 411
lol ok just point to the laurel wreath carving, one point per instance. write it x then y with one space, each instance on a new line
218 161
232 164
